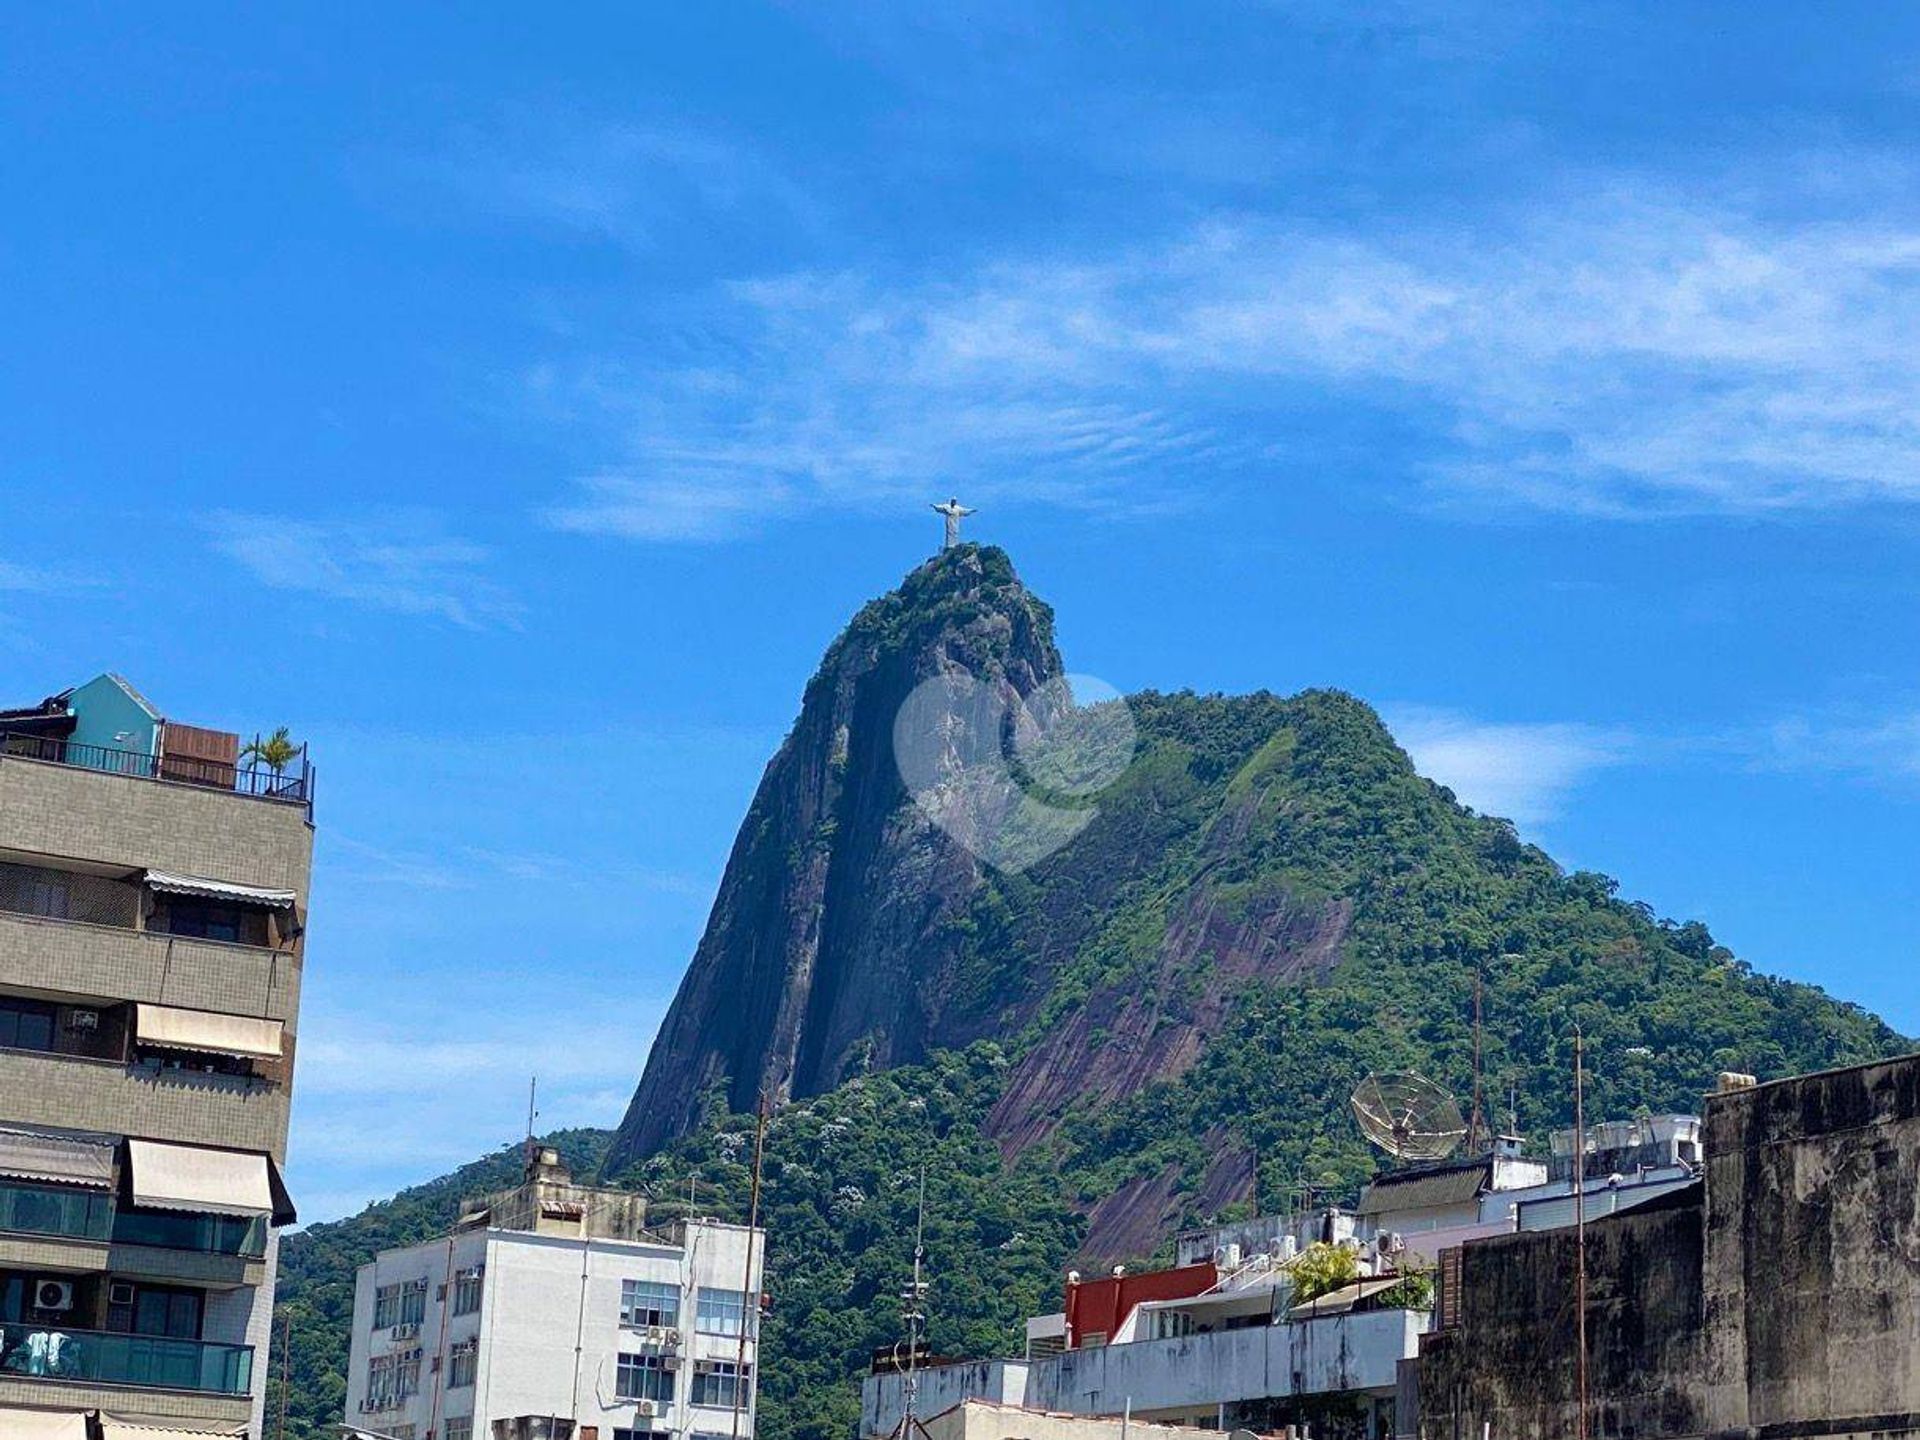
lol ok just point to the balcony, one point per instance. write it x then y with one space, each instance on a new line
98 1357
292 785
68 1214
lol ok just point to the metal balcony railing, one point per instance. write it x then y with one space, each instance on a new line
292 785
54 1352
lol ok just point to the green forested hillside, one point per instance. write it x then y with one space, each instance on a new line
1270 904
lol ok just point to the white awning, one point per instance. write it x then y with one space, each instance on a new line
63 1159
186 1177
206 889
121 1430
43 1424
207 1032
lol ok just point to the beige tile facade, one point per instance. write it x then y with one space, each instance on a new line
61 817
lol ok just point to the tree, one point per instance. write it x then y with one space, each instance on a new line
276 752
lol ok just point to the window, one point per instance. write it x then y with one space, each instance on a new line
466 1290
620 1432
461 1429
48 898
649 1302
25 1024
386 1307
156 1310
401 1432
380 1382
463 1362
721 1312
202 921
406 1374
413 1303
644 1377
721 1384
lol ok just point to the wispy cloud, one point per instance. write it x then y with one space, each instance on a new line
381 1107
472 867
405 563
1880 747
41 580
1633 352
1523 772
628 181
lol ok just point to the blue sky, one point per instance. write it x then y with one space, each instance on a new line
515 403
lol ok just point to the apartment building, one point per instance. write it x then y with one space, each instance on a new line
553 1311
153 894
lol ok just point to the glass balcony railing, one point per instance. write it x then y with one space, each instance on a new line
42 1210
245 1236
52 1352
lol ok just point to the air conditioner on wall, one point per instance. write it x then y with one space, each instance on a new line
404 1332
52 1295
83 1019
647 1409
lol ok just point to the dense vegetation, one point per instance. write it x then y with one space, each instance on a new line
1257 802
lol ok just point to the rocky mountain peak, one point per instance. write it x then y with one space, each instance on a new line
834 927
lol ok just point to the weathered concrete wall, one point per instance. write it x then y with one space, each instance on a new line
1510 1363
1813 1251
1781 1298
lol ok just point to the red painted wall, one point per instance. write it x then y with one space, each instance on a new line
1100 1307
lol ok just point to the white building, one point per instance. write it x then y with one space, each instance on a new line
552 1312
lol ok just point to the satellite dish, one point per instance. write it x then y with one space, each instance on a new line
1408 1116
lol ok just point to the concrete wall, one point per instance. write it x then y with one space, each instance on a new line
1189 1378
1510 1363
981 1420
123 820
1781 1298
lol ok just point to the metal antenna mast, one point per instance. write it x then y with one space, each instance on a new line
913 1310
1580 1228
1475 1124
749 1302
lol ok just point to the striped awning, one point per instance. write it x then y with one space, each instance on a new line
122 1430
42 1424
190 1177
63 1159
207 1032
202 888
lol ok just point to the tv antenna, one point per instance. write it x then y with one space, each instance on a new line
1408 1116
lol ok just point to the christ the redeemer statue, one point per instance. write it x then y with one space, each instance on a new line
954 512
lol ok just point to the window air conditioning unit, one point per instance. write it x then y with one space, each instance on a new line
52 1295
1227 1257
669 1362
404 1332
647 1409
120 1292
83 1019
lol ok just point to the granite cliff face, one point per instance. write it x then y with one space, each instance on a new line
834 931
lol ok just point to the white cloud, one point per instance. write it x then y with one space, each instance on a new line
1523 772
1630 352
37 580
386 1105
1885 746
401 562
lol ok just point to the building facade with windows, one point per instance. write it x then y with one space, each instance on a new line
153 898
554 1312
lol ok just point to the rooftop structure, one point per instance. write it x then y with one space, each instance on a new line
1220 1339
153 900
